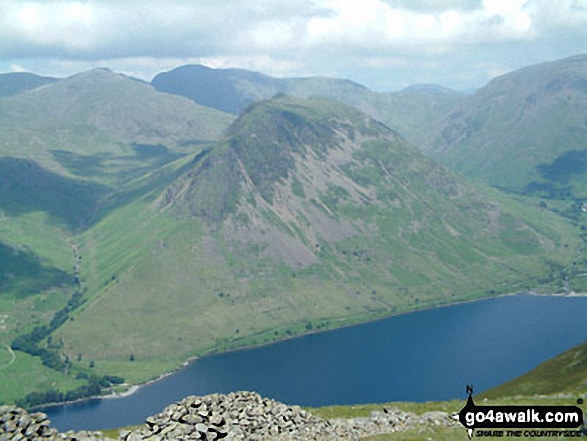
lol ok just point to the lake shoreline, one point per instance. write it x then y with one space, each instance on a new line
133 388
308 372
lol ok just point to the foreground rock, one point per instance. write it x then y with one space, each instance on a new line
236 416
19 425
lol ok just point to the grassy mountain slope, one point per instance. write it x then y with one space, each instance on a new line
307 215
565 373
230 90
71 151
524 131
102 125
17 82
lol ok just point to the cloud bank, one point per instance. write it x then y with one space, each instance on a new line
381 43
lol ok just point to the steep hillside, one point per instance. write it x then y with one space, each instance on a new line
565 373
307 215
76 142
230 90
524 131
71 151
99 124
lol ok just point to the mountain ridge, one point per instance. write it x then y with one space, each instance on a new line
524 131
14 83
411 114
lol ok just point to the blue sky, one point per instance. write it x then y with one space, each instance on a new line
383 44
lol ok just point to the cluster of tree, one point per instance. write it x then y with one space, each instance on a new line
50 356
94 387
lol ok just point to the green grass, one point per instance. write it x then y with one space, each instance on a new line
6 357
35 232
521 133
52 301
438 240
97 116
39 253
418 433
27 374
565 373
167 281
23 274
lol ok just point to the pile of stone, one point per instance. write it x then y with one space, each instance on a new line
248 416
387 421
235 416
18 425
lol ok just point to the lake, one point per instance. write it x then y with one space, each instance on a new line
422 356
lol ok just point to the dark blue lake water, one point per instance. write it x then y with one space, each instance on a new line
422 356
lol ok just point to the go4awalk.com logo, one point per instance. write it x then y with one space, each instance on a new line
521 421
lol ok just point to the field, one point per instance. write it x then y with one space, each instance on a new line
25 374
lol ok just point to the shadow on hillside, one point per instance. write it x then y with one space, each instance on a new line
78 204
22 272
27 187
124 168
565 167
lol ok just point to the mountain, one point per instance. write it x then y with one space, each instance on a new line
432 89
16 82
100 113
71 151
230 90
75 142
525 131
307 215
564 374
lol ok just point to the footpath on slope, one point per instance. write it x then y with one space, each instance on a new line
235 416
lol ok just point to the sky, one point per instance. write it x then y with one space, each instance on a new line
384 44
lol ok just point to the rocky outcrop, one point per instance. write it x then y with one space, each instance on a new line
235 416
18 425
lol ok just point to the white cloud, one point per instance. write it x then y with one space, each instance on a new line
90 29
17 68
142 37
376 24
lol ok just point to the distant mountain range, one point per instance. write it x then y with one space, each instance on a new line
432 89
524 131
412 112
230 90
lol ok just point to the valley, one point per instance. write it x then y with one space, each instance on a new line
141 228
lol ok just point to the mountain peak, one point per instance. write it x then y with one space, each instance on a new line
427 89
265 147
101 74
